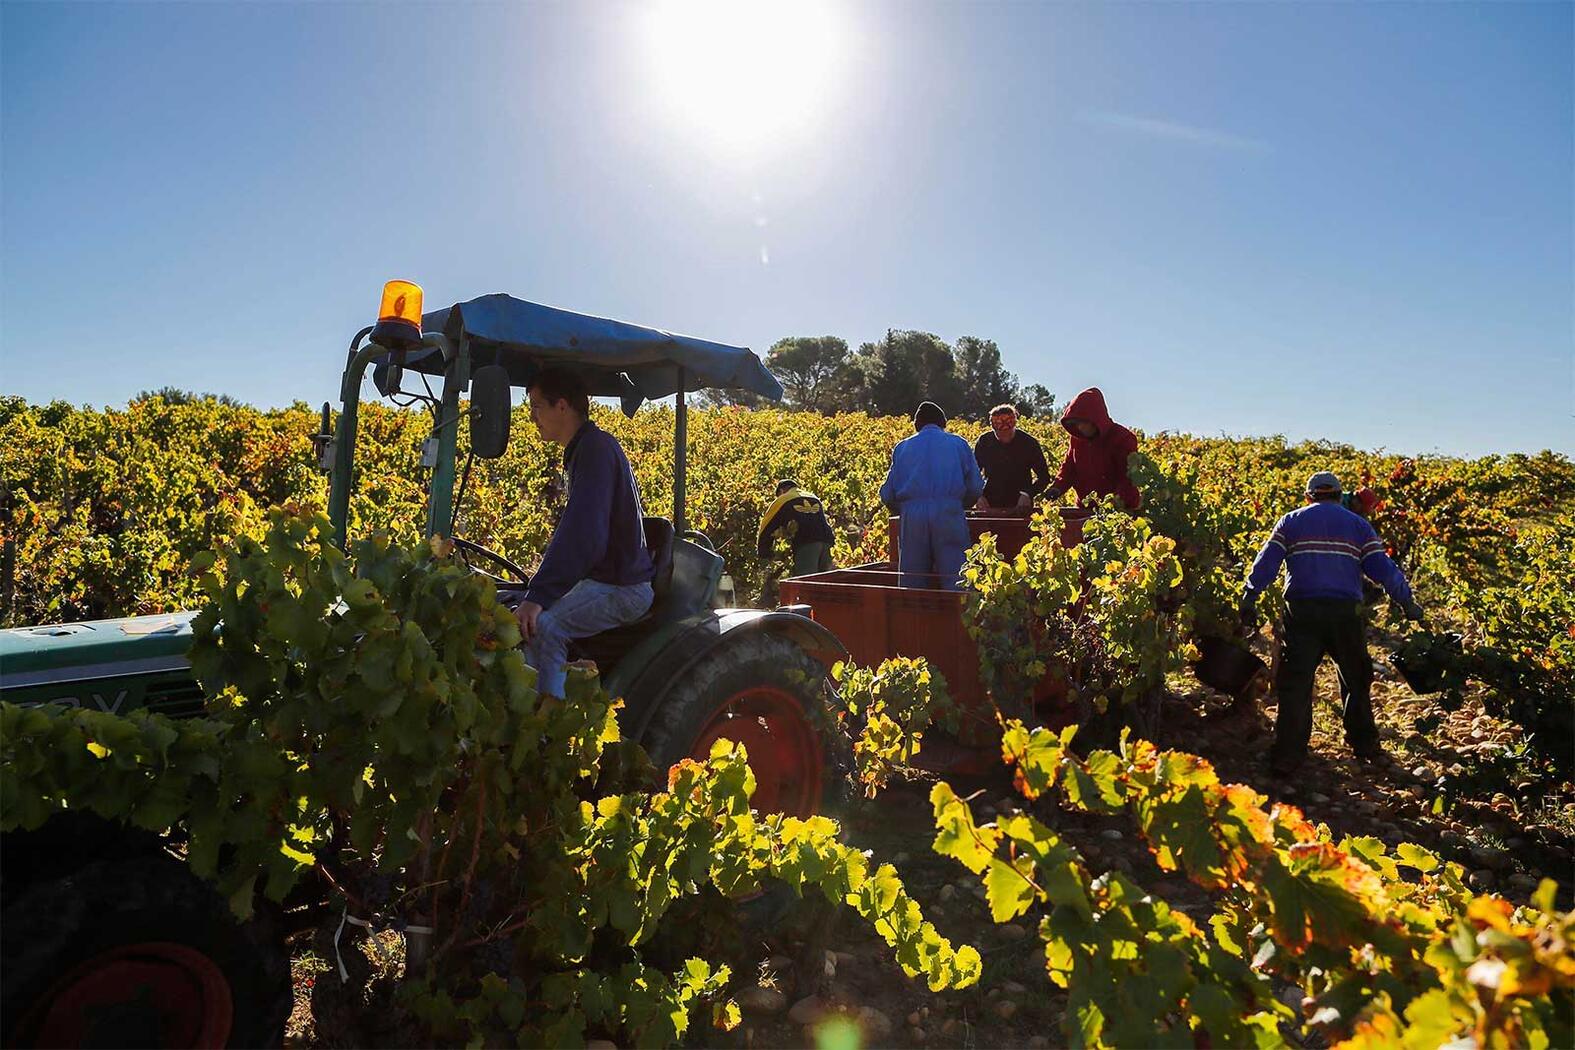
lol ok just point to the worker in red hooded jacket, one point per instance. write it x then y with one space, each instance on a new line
1096 464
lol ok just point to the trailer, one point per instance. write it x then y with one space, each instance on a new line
876 617
1011 529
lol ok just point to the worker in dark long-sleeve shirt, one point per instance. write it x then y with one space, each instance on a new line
596 573
1012 461
1326 549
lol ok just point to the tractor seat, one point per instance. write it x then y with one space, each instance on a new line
606 648
659 537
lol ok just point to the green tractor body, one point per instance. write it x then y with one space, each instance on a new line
102 665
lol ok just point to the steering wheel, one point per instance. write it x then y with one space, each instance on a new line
521 578
696 536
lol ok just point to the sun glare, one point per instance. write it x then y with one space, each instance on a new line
746 77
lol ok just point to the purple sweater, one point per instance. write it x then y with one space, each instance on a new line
601 535
1326 549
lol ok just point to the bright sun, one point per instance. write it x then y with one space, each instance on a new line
746 76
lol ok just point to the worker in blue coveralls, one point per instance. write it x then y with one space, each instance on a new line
933 480
1326 550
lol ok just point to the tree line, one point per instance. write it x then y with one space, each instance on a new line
890 377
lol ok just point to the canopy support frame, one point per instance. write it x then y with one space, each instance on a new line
680 454
440 504
343 476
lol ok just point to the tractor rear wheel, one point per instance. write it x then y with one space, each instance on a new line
138 952
766 693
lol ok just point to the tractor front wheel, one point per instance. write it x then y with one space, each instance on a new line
138 953
764 692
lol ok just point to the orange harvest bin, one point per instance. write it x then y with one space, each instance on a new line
876 619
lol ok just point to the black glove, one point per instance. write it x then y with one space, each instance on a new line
1248 612
1054 493
1413 612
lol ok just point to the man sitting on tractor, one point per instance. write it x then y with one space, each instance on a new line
1096 462
801 517
596 573
1326 550
932 482
1013 463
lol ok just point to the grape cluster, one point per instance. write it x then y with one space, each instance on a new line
480 901
495 956
377 891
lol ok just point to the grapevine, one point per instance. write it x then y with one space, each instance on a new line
371 722
1390 946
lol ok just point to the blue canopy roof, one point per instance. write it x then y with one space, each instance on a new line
616 359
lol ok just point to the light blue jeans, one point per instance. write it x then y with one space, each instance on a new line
589 608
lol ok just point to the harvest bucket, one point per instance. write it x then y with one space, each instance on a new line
1227 666
1427 661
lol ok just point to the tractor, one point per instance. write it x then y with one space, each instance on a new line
107 938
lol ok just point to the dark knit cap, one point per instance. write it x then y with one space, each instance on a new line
927 413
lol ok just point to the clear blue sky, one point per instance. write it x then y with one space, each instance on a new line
1325 220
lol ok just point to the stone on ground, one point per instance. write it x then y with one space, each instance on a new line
808 1010
762 1000
875 1023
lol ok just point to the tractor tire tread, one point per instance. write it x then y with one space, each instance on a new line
732 666
59 924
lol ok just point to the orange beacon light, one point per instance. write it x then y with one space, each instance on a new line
399 316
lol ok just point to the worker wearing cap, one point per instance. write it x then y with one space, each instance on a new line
1326 550
933 481
801 517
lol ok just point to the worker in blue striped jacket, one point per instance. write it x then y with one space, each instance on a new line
1326 549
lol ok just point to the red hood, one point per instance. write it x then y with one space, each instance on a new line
1098 464
1089 405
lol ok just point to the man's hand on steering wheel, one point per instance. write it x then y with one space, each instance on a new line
527 613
